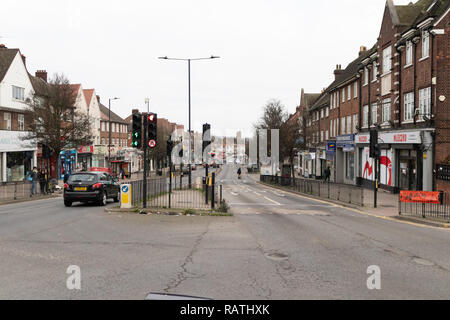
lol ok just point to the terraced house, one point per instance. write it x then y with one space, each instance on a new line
400 88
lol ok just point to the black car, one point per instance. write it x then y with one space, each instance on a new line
91 187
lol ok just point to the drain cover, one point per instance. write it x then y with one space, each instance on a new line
276 256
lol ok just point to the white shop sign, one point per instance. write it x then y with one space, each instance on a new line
409 137
11 141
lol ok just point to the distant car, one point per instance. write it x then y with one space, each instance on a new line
95 187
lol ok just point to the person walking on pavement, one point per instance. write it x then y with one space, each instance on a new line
66 177
34 180
42 181
239 173
327 174
122 174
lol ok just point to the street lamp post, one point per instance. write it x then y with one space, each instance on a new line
189 95
109 140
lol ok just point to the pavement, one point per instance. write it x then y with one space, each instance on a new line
277 245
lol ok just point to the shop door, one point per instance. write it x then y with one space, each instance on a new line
408 170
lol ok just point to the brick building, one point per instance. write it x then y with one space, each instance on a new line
399 87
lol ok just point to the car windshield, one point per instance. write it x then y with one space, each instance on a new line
82 178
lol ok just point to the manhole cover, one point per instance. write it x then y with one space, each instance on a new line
277 256
423 262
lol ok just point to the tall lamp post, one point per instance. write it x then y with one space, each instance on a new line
189 90
109 140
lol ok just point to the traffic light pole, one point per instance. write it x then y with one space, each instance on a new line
144 191
206 184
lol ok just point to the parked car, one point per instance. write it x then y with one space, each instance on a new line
95 187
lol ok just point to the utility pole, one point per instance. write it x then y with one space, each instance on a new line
144 204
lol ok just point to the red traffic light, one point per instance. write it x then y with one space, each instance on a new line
152 143
151 117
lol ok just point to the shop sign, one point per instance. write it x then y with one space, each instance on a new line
331 147
12 141
408 137
420 197
84 149
347 142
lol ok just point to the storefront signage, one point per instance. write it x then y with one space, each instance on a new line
410 137
347 142
84 149
420 197
12 141
331 147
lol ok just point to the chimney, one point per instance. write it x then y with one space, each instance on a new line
362 49
338 71
24 60
41 74
2 46
98 99
134 111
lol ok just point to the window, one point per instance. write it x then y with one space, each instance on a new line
321 114
374 113
355 123
326 135
327 112
7 118
387 63
321 136
365 122
425 44
331 128
409 53
103 141
336 127
18 93
366 76
343 125
349 92
386 110
337 99
424 103
343 94
21 120
375 72
355 90
409 106
349 124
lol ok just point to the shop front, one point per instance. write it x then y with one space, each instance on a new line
84 158
330 155
345 159
18 156
406 161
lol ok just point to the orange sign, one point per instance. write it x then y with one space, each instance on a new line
420 197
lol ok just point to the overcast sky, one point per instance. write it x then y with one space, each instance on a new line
268 49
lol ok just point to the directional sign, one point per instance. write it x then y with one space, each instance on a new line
125 196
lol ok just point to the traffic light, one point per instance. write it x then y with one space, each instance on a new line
137 130
206 136
374 151
152 125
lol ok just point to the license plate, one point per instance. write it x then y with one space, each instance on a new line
80 188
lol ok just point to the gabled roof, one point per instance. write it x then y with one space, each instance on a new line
6 58
114 116
88 93
413 13
40 87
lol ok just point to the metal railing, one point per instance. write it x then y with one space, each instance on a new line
329 190
432 211
160 194
17 190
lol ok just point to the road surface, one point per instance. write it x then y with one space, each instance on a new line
276 246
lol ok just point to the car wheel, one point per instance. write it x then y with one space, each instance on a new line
67 203
116 198
103 199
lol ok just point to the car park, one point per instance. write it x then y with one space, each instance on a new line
95 187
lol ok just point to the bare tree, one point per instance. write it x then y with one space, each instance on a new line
53 120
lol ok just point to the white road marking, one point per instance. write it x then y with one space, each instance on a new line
234 194
273 201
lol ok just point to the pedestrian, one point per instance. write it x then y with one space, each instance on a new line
122 173
327 174
239 173
42 181
66 177
34 180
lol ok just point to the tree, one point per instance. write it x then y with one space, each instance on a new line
275 117
53 120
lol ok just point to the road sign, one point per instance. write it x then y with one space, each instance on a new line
125 196
152 143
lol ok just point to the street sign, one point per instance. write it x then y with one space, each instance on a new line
125 196
152 143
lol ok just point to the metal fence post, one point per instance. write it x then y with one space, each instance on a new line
213 182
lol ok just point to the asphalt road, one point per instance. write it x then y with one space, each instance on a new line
276 246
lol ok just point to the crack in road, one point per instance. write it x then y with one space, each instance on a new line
183 274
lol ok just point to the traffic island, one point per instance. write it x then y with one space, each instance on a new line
170 212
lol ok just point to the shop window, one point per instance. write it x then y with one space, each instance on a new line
350 165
